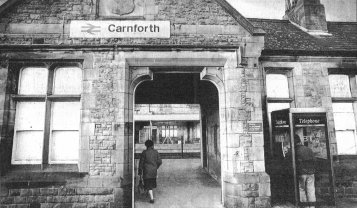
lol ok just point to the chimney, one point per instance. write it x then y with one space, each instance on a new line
309 14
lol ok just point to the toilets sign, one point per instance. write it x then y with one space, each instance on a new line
119 29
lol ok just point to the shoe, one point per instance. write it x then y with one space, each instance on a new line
152 201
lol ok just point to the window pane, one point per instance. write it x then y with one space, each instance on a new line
277 86
343 116
65 115
163 132
64 147
346 142
30 115
27 147
277 106
33 81
344 121
339 85
68 81
342 107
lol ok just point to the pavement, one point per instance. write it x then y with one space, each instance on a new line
340 203
182 183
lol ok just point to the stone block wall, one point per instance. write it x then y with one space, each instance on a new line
107 98
309 93
246 183
102 177
199 22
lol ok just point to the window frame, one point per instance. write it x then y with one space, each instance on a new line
351 73
48 99
288 72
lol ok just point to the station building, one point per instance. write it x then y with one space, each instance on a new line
78 98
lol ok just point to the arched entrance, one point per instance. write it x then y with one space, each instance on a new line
180 114
221 69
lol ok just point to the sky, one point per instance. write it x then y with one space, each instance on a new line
336 10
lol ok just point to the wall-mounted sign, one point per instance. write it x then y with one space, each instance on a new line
255 127
119 29
309 119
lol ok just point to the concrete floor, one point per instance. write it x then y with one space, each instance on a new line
183 183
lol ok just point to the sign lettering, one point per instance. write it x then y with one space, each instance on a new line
255 127
120 29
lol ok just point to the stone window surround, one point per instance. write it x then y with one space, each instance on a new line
353 99
17 65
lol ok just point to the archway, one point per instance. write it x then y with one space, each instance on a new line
178 108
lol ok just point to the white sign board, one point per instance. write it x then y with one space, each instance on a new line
119 29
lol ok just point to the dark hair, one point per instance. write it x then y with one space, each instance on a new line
149 143
297 139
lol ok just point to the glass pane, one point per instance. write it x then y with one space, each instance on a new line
30 115
346 142
340 85
344 121
163 132
65 115
28 147
64 147
33 81
68 81
342 107
277 86
277 106
343 116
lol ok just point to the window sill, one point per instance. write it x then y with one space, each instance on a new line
45 168
344 99
344 157
32 176
279 100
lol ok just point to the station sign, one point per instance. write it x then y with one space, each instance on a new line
119 29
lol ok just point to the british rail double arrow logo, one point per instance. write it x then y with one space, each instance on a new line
90 29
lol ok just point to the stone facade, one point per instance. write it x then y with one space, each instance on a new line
112 68
206 35
308 93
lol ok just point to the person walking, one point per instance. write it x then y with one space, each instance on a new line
149 162
305 169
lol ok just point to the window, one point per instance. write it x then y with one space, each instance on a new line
277 89
278 98
169 131
342 87
47 116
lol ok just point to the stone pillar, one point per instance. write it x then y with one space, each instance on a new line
3 145
246 184
107 127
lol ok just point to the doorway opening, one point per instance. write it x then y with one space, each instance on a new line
180 114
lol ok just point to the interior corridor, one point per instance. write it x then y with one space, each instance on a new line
183 183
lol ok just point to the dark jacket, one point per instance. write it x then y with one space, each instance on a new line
305 160
150 161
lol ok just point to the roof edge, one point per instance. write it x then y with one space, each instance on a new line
286 52
244 22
